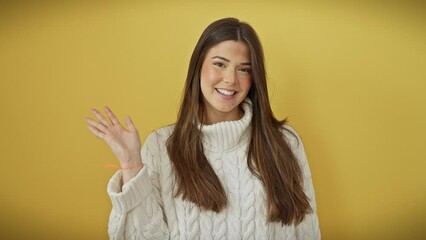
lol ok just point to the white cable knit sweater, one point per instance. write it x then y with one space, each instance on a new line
146 208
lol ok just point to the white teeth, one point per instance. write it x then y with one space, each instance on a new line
226 92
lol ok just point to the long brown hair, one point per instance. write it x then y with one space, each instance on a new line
269 155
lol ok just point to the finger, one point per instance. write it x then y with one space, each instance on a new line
130 125
97 125
101 117
96 132
111 116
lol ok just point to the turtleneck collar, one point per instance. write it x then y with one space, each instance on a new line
226 135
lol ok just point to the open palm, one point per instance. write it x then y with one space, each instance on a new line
124 143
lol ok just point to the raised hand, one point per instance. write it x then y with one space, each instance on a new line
124 143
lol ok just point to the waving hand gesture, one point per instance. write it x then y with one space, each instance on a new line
124 143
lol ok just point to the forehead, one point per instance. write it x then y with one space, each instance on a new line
230 49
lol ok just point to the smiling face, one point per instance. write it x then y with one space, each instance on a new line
225 80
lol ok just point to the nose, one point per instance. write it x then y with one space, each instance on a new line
230 77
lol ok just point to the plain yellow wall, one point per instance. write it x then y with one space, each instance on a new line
351 78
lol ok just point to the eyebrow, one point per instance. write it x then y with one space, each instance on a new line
227 60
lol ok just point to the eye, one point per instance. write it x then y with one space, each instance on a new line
245 70
219 64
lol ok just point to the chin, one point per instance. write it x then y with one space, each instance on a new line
225 109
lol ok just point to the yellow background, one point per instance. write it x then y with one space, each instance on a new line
350 76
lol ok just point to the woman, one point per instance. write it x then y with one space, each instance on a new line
228 169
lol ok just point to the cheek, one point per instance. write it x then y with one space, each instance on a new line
246 83
210 74
208 79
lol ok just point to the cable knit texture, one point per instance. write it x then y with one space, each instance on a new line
144 208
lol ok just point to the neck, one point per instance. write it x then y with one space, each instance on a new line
213 116
226 135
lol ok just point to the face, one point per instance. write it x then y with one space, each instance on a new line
225 80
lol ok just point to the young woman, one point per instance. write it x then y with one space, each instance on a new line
228 169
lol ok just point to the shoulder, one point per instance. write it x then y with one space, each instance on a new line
291 136
157 139
160 134
296 145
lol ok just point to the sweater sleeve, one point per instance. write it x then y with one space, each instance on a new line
308 229
137 210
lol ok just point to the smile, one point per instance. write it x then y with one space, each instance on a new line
225 92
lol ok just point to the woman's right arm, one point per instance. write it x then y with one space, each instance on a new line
137 207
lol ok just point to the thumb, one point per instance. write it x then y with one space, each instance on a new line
129 124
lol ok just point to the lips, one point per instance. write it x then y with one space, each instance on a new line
225 92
